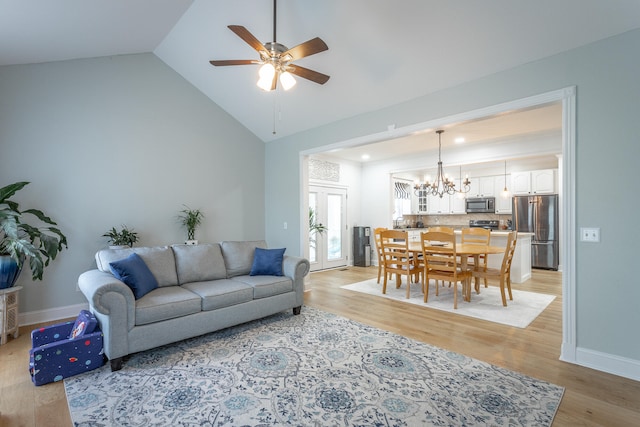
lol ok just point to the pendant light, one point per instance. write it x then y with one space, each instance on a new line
505 191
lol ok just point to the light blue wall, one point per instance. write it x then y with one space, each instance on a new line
608 105
122 140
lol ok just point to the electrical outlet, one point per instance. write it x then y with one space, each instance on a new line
591 235
285 225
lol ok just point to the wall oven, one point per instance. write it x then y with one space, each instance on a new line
481 205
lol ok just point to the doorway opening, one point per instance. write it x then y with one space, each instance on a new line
567 172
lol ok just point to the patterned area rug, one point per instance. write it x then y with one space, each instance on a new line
487 305
315 369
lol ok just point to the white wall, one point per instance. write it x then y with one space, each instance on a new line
608 97
122 140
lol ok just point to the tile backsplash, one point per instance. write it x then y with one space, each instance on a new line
455 221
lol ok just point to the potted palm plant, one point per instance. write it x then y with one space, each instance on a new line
21 241
315 228
125 237
190 219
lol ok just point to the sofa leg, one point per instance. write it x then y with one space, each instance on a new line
116 364
296 310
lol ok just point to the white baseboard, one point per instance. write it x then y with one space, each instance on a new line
58 313
612 364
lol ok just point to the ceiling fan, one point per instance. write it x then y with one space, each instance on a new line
276 59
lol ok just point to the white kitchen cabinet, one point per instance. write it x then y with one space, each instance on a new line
534 182
543 181
413 236
437 205
457 204
483 186
503 204
419 202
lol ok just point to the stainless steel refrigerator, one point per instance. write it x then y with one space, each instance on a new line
539 215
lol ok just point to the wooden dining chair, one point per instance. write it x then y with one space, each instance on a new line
503 274
378 242
441 229
477 236
441 263
397 258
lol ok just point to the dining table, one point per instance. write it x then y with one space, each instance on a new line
464 251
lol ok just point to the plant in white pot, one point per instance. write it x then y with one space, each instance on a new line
126 237
21 241
190 219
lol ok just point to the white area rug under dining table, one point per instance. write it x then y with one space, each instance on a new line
487 305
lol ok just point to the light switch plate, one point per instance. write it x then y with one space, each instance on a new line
590 234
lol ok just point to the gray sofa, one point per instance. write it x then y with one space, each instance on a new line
201 289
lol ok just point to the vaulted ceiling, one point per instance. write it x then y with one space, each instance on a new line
380 52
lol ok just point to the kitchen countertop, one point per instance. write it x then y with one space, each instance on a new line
458 230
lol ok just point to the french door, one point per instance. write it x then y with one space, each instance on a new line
328 211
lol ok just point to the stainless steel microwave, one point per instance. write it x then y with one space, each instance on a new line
481 205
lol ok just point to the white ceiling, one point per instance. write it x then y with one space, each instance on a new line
543 120
380 53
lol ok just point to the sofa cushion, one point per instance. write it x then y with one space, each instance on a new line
221 293
135 274
197 263
266 286
166 303
159 259
267 262
238 256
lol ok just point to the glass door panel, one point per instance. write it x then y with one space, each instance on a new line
327 240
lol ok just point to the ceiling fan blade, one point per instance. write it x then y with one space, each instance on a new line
308 74
274 82
249 38
310 47
233 62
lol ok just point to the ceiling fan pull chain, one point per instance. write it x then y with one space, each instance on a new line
275 101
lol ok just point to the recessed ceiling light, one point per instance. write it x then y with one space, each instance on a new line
459 140
365 157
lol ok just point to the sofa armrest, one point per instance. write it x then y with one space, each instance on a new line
114 306
296 268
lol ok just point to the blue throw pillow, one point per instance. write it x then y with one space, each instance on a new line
267 262
85 324
134 273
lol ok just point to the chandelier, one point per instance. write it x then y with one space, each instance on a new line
442 184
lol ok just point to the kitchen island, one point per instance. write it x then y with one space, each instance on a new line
521 264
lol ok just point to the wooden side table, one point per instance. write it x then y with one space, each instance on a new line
9 313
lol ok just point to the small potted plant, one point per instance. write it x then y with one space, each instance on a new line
190 219
126 237
20 240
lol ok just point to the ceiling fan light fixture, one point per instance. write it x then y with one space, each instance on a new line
287 80
266 73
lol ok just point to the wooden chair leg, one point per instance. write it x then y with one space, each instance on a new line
409 285
384 283
504 300
455 295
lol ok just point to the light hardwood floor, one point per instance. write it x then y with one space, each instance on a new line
591 398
